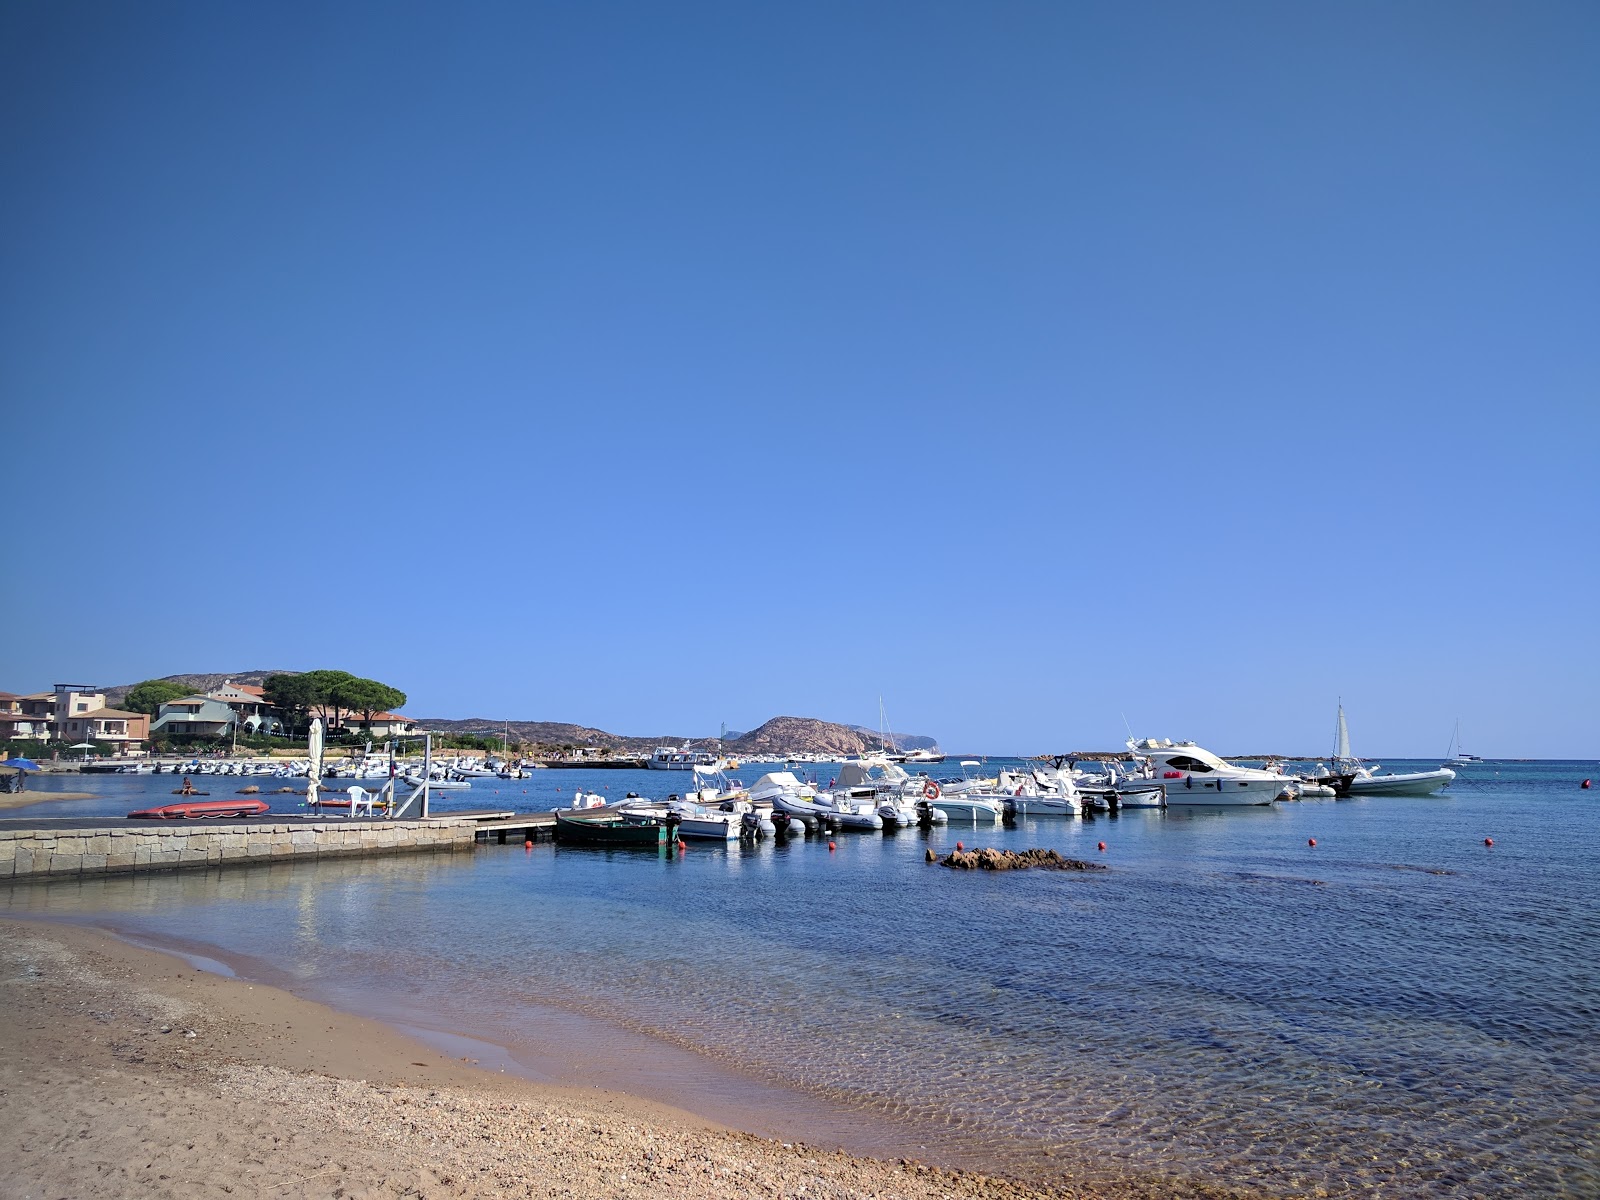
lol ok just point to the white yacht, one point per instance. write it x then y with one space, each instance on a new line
1193 775
681 758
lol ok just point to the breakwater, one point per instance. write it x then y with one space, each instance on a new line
41 850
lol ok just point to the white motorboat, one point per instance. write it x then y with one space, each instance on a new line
897 813
1193 775
704 823
676 758
971 806
849 812
1111 789
1033 794
1363 779
1369 782
440 785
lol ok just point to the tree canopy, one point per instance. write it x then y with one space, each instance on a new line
149 696
330 694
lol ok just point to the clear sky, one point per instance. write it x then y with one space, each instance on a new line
651 366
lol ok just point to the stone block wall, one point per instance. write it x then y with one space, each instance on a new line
28 853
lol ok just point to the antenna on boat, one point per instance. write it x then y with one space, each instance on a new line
1128 727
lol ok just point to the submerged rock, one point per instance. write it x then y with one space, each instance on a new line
989 859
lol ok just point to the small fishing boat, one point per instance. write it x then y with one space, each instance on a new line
196 809
611 828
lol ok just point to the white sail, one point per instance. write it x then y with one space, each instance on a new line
1341 737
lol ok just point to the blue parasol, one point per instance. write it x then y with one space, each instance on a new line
22 764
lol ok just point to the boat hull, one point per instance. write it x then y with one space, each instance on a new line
971 809
1415 783
609 830
1223 792
1141 797
1046 806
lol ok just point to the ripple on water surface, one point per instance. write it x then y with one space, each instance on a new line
1398 1010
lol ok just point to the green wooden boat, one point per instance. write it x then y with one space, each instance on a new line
610 829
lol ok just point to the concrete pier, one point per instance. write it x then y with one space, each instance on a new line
44 848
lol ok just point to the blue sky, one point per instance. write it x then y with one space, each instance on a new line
654 366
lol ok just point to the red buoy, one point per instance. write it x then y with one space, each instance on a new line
682 845
831 847
1587 783
959 846
528 845
1488 841
1102 845
1311 841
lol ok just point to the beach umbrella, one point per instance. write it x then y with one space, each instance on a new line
315 752
22 764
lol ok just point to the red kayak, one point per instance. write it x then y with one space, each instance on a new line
202 808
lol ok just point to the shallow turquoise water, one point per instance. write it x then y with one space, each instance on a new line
1399 1010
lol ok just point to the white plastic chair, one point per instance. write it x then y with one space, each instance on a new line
360 801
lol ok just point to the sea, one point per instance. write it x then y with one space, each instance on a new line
1400 1009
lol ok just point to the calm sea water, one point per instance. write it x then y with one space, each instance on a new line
1399 1010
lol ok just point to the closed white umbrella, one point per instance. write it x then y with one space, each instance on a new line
315 753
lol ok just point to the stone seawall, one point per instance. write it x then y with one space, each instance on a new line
114 849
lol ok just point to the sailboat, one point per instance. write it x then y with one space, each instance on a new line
1360 779
1457 756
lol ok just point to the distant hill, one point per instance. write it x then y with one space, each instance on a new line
781 735
550 734
804 735
197 684
905 741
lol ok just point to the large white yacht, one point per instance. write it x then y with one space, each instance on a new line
1193 775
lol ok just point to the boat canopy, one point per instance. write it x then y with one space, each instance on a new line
869 773
1166 751
776 779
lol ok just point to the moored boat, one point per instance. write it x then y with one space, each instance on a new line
1193 775
1362 779
611 829
197 809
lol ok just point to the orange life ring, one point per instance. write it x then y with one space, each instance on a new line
930 790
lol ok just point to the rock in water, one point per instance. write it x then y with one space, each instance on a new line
988 859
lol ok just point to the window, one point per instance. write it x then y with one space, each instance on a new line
1183 762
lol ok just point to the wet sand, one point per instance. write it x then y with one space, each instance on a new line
124 1070
24 799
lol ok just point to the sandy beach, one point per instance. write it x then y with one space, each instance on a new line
126 1071
27 799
